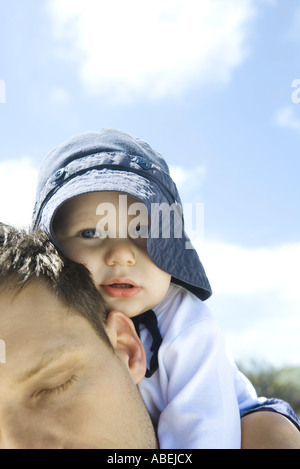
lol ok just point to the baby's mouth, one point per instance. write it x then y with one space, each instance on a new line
120 285
121 289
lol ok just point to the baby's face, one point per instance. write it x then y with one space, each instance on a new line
100 231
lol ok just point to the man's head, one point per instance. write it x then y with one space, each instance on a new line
70 375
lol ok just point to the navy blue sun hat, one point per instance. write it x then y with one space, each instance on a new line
111 160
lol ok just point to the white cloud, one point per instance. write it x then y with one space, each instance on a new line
286 117
256 298
18 180
240 270
188 181
152 49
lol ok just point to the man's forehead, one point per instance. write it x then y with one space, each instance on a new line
33 325
40 361
31 359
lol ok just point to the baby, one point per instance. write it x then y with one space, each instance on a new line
100 198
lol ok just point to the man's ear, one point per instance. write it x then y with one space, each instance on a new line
124 339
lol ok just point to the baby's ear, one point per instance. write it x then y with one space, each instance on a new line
124 339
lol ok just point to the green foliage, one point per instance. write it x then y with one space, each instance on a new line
283 383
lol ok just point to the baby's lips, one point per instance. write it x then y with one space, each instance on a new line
121 288
120 280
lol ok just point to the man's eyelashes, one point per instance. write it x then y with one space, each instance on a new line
55 390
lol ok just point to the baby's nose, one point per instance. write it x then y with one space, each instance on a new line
120 252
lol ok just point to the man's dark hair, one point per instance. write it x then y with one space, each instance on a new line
26 257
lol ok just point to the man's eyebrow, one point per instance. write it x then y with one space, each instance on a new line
47 359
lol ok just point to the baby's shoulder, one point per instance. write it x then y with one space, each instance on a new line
189 304
183 309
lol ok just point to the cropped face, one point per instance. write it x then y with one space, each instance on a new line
106 231
62 387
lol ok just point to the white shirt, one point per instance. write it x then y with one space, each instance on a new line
194 396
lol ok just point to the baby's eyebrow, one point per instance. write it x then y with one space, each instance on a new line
48 358
84 220
78 224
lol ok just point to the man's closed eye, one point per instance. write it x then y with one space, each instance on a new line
55 390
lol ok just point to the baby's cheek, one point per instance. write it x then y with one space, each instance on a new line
79 258
71 250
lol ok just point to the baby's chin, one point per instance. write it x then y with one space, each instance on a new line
125 306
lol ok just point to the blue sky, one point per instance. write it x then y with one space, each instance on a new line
213 85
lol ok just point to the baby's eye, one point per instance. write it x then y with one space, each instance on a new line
138 231
89 234
143 231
